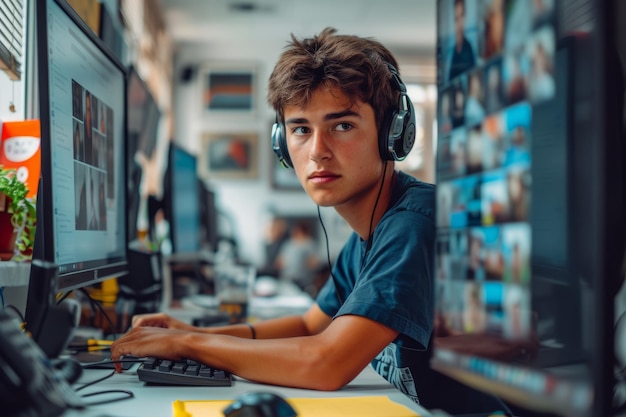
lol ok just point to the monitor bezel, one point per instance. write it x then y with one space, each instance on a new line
98 270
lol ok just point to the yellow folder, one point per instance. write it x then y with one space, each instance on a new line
375 406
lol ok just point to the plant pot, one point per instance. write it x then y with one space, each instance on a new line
7 233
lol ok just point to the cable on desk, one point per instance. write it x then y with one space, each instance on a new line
106 362
128 396
88 384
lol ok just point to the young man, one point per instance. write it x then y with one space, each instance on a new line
333 96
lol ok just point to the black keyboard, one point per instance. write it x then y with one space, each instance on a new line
184 372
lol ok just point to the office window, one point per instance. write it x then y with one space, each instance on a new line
12 16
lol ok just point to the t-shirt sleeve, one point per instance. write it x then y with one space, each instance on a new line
394 286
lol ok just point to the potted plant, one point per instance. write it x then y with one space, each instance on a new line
18 228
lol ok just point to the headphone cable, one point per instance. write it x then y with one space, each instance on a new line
330 267
370 239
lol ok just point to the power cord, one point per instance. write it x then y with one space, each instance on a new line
126 395
108 362
98 307
88 384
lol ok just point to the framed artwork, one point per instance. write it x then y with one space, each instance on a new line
229 155
228 89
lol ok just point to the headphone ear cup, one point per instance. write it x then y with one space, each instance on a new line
383 137
409 130
397 135
279 144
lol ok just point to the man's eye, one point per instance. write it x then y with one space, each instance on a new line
343 127
300 130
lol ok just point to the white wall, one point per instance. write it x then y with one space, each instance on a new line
11 92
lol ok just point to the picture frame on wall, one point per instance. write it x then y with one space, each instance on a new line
229 155
228 89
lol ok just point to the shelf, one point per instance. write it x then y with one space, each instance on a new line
14 274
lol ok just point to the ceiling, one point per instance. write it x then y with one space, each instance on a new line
406 27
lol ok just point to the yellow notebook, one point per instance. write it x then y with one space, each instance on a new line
376 406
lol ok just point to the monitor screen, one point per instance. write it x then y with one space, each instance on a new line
519 148
182 200
143 117
82 89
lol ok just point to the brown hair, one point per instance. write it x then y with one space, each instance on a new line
357 66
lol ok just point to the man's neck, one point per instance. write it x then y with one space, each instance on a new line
359 216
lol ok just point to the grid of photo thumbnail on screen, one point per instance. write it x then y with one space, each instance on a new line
93 158
496 62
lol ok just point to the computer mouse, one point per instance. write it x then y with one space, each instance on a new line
259 404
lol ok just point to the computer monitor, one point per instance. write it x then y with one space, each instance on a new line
530 201
81 215
143 116
209 233
182 200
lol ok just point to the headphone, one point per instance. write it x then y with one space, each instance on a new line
395 137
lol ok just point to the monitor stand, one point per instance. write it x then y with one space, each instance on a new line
50 324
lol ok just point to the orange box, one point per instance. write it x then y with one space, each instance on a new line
20 149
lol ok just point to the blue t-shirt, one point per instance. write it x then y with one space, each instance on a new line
392 282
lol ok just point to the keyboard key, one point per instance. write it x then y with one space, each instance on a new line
178 368
150 363
165 366
191 370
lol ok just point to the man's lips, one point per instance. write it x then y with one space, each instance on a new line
321 177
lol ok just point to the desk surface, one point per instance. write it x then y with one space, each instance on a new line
157 400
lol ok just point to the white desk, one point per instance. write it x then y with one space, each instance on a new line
289 300
153 401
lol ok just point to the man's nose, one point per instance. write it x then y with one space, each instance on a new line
320 145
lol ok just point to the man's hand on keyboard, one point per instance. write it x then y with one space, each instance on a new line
161 320
147 341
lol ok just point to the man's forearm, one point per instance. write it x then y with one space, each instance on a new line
290 326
